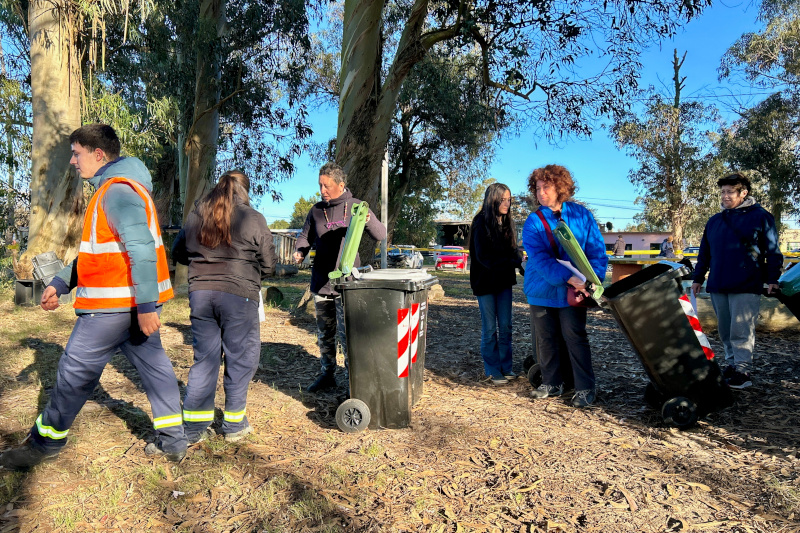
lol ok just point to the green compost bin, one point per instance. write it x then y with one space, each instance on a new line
386 319
789 290
684 383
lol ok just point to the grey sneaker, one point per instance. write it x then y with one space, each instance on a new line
238 435
200 437
547 391
153 450
502 380
511 375
584 398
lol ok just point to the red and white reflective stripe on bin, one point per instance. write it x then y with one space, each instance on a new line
407 339
695 323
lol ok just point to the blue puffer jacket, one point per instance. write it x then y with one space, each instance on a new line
546 279
728 260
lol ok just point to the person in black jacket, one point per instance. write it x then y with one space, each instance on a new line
228 247
495 256
740 253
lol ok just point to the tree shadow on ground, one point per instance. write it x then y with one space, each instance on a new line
289 368
45 365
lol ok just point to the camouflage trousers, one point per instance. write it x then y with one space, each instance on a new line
330 328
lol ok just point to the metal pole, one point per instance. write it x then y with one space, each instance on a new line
384 202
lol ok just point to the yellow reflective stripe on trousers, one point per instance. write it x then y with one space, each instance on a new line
49 431
234 417
198 416
167 421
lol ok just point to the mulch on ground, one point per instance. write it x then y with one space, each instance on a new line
477 457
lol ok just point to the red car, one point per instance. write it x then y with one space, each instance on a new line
454 257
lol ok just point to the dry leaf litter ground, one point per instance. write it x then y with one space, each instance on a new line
477 457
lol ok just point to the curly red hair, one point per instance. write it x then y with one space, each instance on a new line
559 176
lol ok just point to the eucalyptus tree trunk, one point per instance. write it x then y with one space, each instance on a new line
56 189
367 103
201 140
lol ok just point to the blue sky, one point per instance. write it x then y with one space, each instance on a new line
600 169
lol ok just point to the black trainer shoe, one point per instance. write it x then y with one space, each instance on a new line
324 381
728 373
24 458
547 391
739 380
153 450
584 398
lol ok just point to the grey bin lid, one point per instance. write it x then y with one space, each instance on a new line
404 279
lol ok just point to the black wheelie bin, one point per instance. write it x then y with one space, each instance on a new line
386 318
684 384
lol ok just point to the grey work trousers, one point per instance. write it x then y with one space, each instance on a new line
737 314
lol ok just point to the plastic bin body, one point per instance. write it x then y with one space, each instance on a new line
386 319
789 293
646 306
29 292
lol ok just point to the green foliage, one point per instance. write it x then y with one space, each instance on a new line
280 224
768 58
764 141
414 223
678 167
301 209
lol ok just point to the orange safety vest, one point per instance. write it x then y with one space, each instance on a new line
104 268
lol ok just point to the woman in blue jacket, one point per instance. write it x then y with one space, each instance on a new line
494 258
546 280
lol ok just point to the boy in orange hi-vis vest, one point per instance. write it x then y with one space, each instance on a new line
122 278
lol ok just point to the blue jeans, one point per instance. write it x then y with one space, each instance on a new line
551 324
496 333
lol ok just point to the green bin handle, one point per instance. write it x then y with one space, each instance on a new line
351 241
578 257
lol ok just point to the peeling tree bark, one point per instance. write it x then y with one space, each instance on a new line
56 189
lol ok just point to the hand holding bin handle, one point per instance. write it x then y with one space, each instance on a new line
352 240
578 258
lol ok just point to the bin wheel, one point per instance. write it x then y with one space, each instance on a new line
352 416
680 412
652 397
527 363
535 375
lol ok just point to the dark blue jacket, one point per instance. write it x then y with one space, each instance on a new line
739 251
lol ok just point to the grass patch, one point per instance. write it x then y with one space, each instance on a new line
372 450
310 506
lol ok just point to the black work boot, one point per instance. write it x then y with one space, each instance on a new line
24 458
323 381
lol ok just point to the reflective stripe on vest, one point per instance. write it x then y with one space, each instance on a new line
198 416
104 272
49 431
167 421
233 417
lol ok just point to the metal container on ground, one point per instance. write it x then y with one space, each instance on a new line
684 384
386 317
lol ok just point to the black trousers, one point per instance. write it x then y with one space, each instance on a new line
555 327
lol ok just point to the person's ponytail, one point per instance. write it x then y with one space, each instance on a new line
216 209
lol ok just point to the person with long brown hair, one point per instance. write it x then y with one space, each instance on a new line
494 259
228 247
